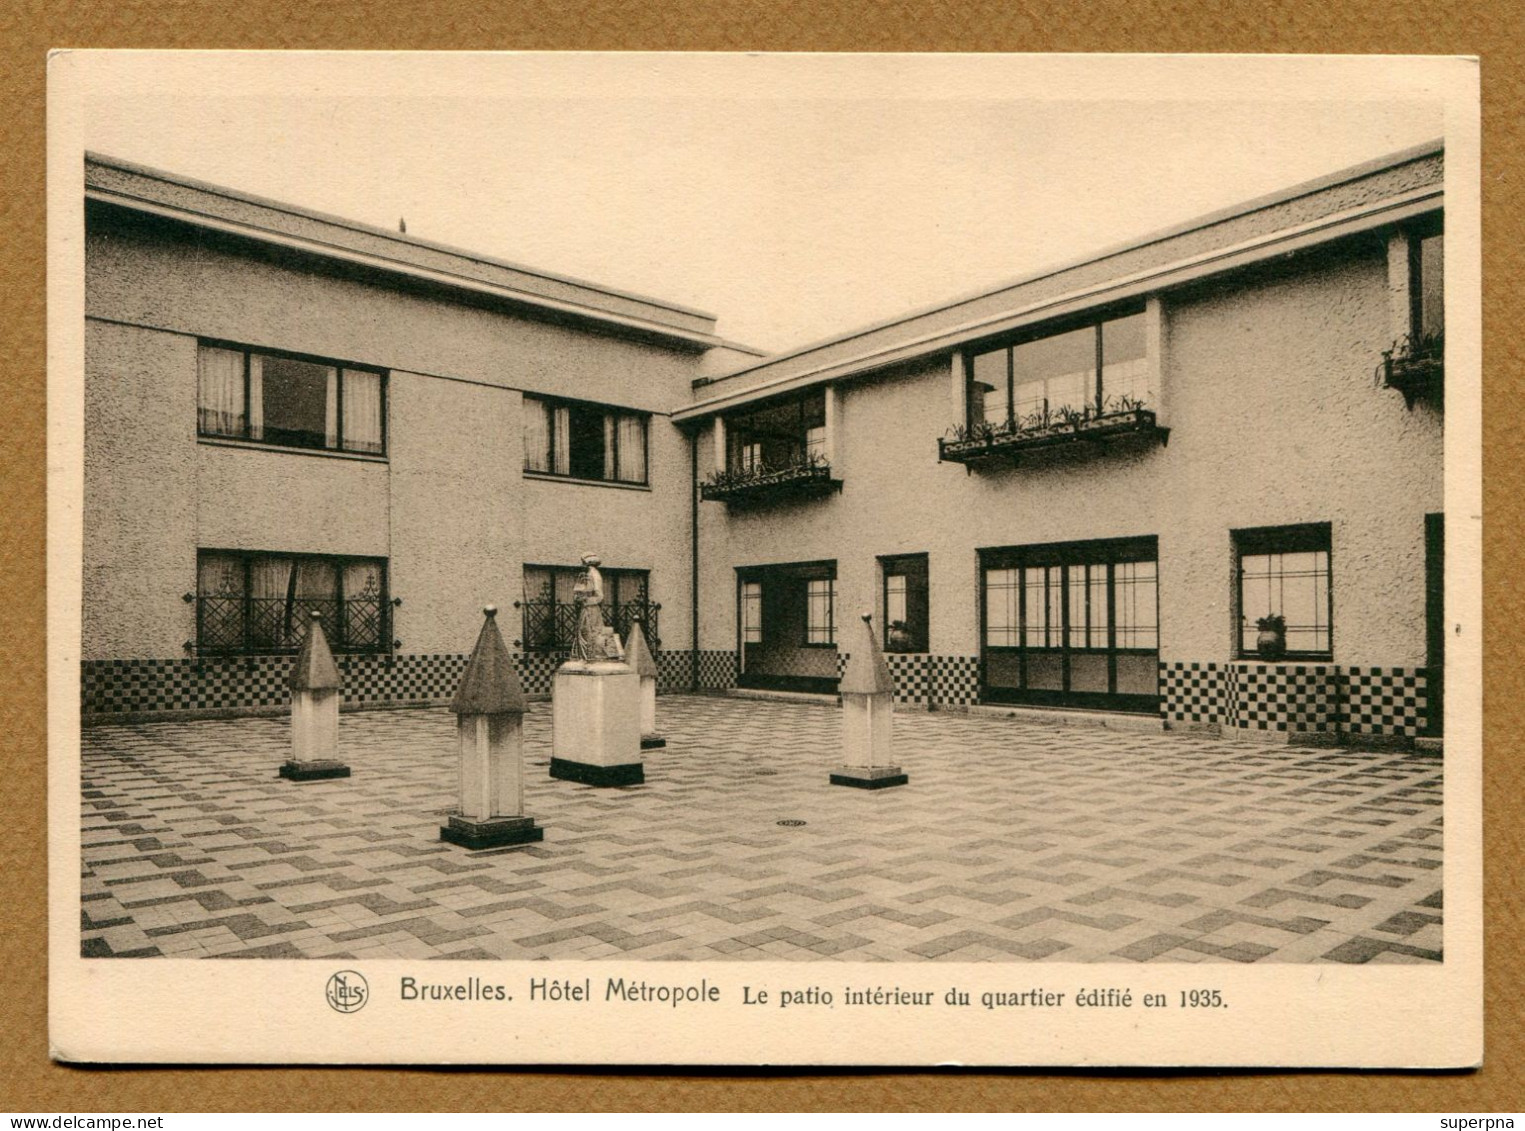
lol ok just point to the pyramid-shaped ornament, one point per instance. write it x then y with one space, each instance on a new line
638 656
315 691
868 704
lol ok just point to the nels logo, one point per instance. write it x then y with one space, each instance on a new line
347 991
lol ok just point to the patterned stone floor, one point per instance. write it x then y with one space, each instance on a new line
1014 841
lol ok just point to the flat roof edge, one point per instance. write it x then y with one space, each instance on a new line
150 173
1280 196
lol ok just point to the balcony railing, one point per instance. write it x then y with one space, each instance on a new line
805 479
1415 367
550 626
1119 420
238 625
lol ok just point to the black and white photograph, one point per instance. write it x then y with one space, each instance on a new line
765 559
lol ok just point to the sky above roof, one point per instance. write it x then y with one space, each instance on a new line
794 197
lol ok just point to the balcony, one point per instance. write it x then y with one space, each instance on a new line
807 478
1122 421
1415 367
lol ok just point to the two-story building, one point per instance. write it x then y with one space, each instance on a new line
1197 477
1092 487
289 411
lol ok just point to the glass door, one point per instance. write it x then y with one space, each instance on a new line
1072 624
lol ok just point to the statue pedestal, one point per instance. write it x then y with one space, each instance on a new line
319 769
596 724
495 832
869 777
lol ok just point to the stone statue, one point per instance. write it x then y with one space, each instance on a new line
593 641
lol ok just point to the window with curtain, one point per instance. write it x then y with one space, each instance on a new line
584 441
290 401
549 605
258 602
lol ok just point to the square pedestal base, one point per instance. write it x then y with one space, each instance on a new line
319 770
652 742
497 832
631 773
869 777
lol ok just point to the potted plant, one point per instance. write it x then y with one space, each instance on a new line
900 636
1271 644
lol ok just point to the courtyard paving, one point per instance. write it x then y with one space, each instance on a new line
1014 841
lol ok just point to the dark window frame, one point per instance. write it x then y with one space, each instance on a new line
909 566
1298 538
613 606
337 635
548 403
1432 228
738 435
339 364
1060 639
831 613
1009 342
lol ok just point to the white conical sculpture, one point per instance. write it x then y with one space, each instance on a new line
489 709
638 656
315 686
868 705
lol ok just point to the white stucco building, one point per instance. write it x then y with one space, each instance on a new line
1082 490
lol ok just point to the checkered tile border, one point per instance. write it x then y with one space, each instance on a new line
717 671
1387 700
1194 693
1295 697
111 687
924 678
147 687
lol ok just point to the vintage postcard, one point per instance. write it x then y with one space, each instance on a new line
789 560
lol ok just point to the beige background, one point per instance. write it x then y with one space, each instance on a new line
36 1084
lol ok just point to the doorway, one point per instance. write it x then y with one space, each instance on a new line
786 626
1072 624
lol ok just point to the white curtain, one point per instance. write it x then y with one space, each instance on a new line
256 397
362 411
561 419
537 437
331 408
269 578
610 443
220 576
221 392
362 605
632 449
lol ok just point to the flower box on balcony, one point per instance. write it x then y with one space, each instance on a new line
1415 367
1007 442
770 484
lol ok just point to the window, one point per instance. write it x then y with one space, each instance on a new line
1284 571
584 441
1072 624
782 434
820 614
1427 305
905 602
256 602
550 620
751 612
290 401
1092 366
